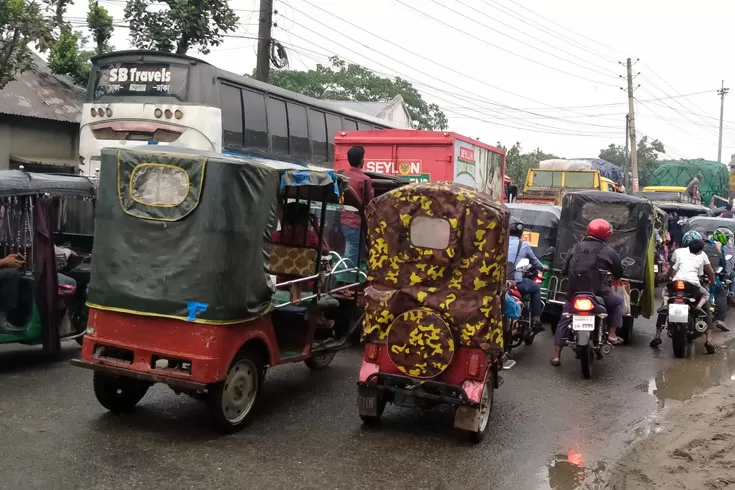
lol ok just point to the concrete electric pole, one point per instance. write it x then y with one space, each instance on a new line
631 127
722 93
263 65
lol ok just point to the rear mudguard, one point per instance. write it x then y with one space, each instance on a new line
583 338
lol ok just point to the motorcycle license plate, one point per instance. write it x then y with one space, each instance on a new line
678 313
655 268
583 323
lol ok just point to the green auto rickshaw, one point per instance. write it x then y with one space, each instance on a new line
541 222
37 212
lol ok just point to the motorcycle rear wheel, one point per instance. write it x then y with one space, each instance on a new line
586 354
679 339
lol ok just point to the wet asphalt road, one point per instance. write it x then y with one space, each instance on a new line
308 436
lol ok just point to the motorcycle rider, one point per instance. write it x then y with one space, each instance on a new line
585 269
519 249
713 249
689 263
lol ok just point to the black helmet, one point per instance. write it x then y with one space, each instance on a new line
516 227
696 246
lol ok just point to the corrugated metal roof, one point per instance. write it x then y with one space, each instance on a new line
39 93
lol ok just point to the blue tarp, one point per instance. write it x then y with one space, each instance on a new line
606 169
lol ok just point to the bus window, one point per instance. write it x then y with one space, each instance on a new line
298 132
334 126
278 126
256 127
349 124
361 126
232 136
318 135
580 180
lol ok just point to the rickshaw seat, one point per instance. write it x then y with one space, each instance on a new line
293 261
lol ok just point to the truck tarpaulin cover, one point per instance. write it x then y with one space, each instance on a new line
631 219
437 259
715 176
606 169
186 234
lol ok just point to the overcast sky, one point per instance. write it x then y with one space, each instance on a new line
544 73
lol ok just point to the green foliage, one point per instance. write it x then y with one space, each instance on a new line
99 23
517 163
59 9
182 26
348 81
66 58
648 158
21 23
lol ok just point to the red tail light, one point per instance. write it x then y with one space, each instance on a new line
473 366
371 352
680 286
583 304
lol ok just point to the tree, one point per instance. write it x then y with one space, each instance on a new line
182 26
21 23
99 23
348 81
648 154
517 164
66 56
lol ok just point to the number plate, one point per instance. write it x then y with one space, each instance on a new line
583 323
655 268
678 313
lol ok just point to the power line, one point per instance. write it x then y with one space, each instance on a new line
484 41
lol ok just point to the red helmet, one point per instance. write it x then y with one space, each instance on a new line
600 229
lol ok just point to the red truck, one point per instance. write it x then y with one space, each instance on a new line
427 156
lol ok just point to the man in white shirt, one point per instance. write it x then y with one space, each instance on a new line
689 264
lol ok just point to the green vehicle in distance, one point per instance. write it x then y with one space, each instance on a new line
37 212
541 223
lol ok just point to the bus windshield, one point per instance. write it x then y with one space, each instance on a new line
141 79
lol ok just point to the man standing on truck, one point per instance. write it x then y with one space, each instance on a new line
693 188
362 189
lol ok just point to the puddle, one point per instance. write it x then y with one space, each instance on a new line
568 472
691 376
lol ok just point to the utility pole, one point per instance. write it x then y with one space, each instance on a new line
631 127
263 65
722 93
626 176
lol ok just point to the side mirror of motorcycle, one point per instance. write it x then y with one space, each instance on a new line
522 264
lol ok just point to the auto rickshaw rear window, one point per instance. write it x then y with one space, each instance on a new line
616 214
156 184
431 233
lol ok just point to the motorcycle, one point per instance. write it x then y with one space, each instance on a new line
589 330
684 323
520 331
660 267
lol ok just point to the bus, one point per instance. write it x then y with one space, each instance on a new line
147 97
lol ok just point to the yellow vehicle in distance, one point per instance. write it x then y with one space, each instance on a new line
549 186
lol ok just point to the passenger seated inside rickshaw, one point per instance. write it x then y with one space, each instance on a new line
294 255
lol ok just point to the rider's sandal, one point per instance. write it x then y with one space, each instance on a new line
555 362
709 348
616 341
655 343
721 326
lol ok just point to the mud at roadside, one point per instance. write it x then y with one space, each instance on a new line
694 450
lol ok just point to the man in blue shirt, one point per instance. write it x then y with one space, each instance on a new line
517 250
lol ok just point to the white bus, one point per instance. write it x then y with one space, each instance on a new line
167 99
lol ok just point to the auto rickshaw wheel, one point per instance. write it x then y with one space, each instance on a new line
315 363
118 394
231 401
486 407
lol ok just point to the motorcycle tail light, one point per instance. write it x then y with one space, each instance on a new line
371 352
680 286
583 304
473 366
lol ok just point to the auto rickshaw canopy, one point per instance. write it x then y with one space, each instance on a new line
437 248
21 183
186 234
